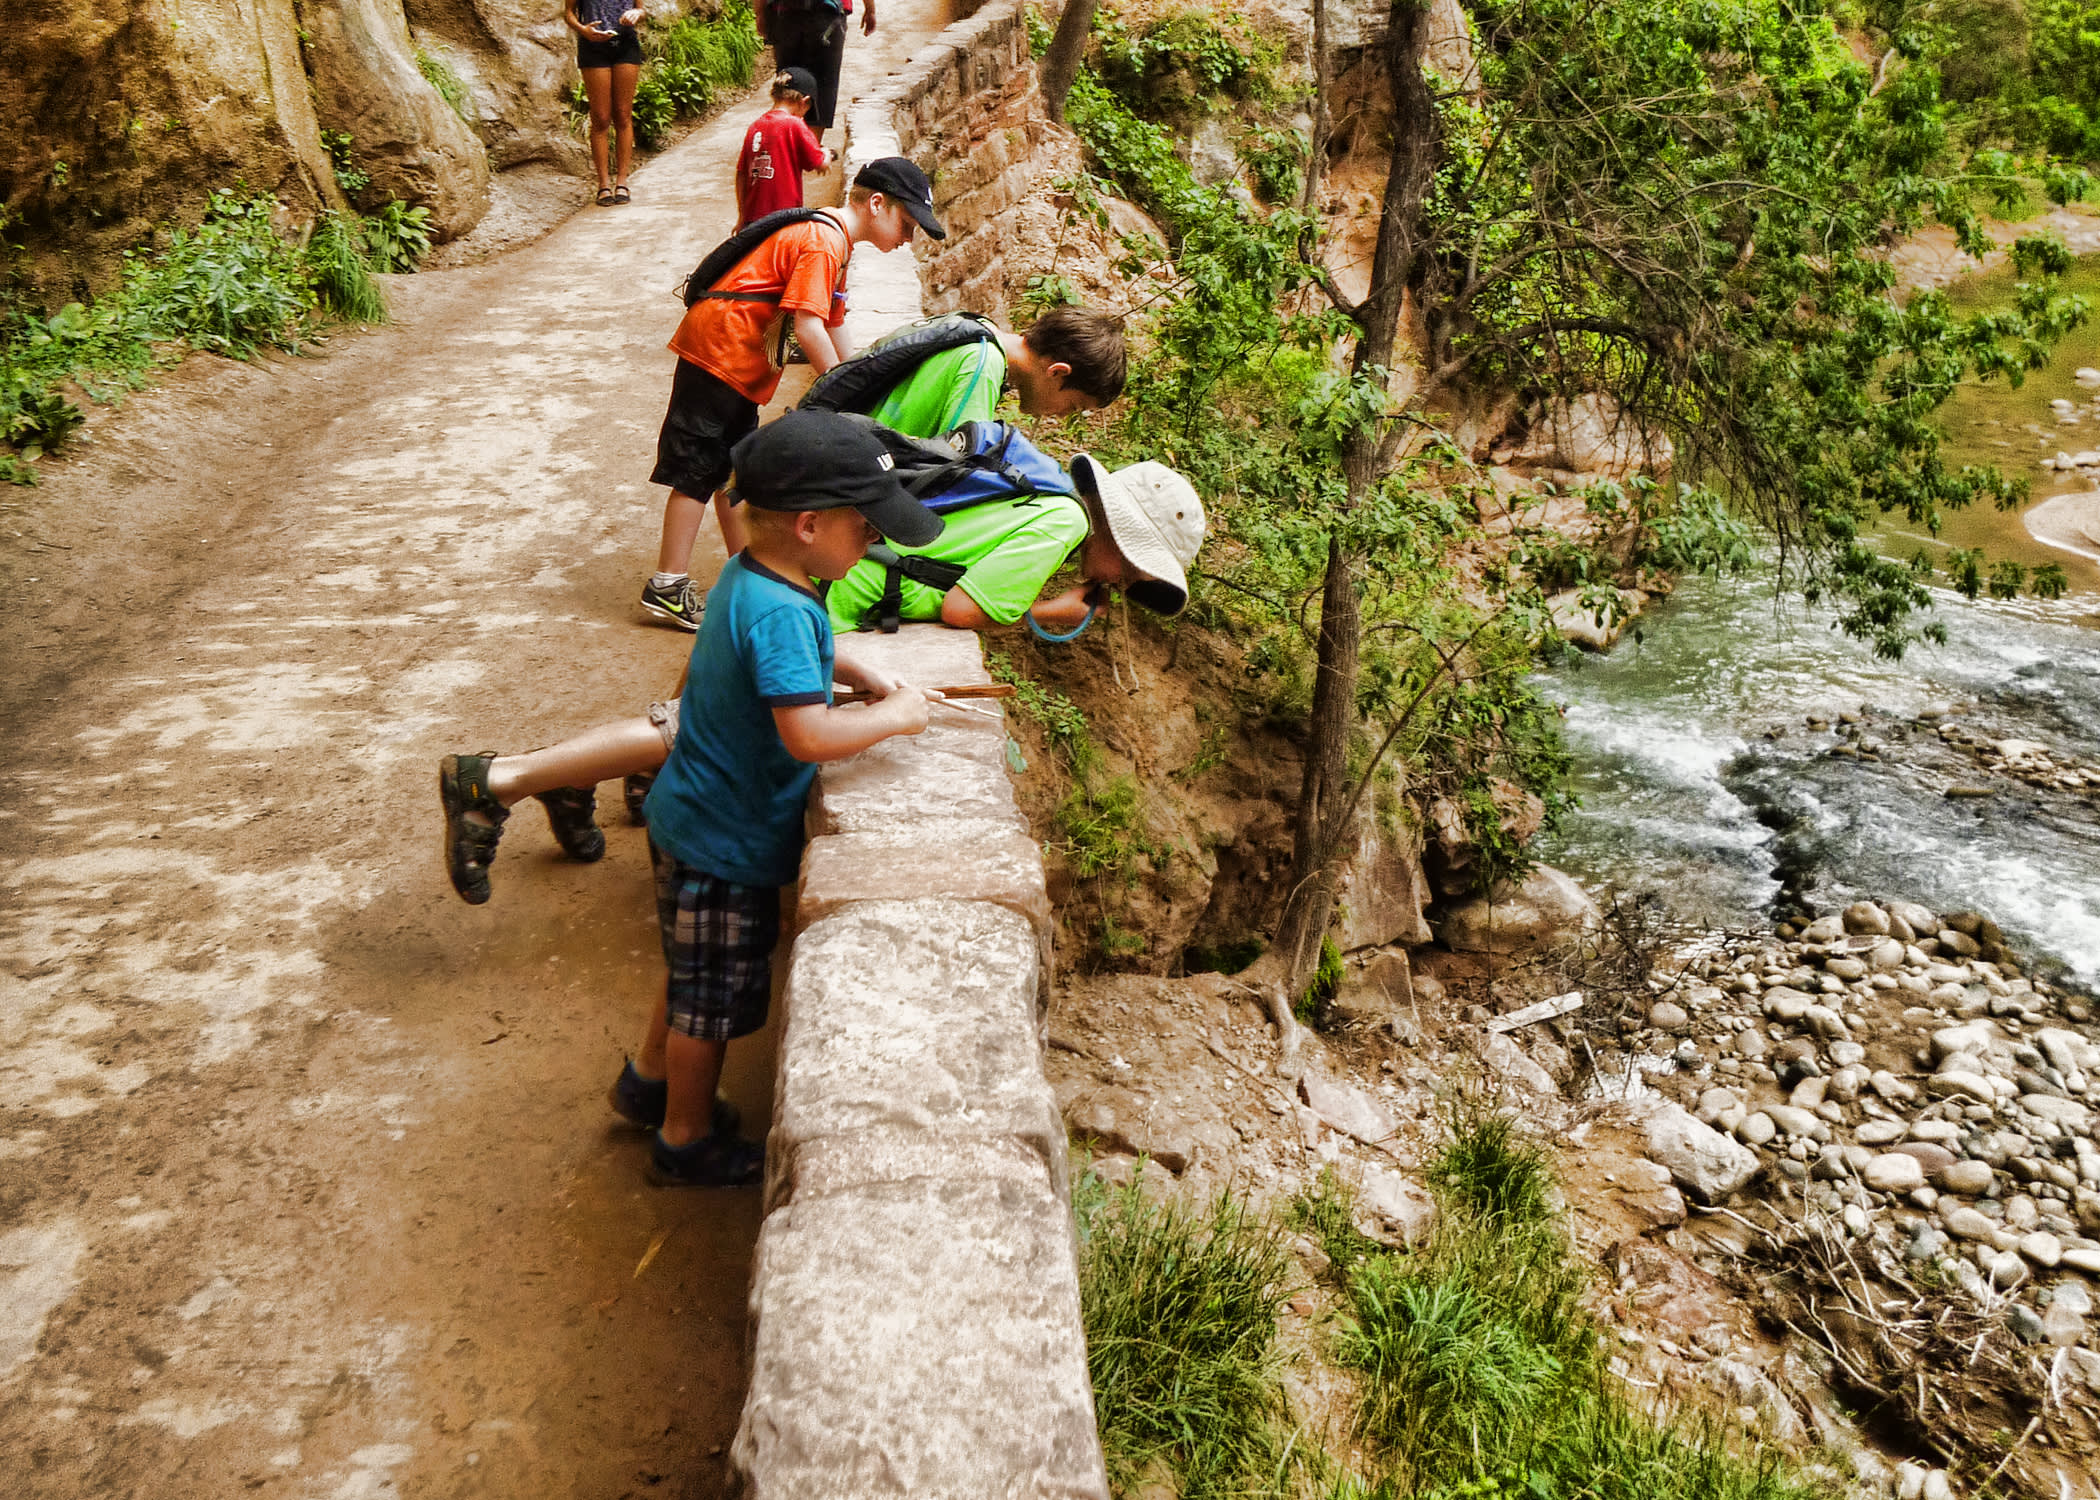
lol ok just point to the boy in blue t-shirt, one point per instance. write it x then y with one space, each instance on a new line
725 815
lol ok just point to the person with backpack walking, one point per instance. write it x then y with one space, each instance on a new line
780 274
1135 529
812 34
778 149
609 55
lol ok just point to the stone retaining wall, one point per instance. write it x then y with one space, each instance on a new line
915 1296
967 109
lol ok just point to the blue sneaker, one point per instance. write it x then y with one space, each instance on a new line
641 1102
718 1161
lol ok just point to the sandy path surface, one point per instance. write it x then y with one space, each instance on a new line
307 1185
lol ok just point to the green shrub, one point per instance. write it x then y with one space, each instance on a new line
230 285
348 176
337 263
1180 1313
687 64
398 237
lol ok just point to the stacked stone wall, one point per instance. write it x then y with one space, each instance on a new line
969 111
915 1294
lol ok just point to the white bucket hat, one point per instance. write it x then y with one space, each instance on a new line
1155 518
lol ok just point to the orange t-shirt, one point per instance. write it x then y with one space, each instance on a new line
805 266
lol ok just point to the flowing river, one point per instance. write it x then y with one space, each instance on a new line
1703 781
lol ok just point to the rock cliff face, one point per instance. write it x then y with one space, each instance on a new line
126 113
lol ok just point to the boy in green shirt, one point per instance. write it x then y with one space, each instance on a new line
1070 360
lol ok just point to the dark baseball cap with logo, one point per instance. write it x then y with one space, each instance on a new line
899 181
801 80
826 460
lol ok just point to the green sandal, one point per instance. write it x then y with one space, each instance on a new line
572 814
470 845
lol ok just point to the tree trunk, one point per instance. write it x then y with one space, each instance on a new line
1321 834
1322 120
1061 63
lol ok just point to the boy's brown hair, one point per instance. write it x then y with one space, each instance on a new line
784 88
1090 342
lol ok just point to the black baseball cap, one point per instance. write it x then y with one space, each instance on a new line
901 182
824 460
802 81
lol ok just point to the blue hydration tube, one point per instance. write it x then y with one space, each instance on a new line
1070 635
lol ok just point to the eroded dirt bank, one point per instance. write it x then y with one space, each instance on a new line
307 1186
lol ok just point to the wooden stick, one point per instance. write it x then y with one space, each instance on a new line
963 690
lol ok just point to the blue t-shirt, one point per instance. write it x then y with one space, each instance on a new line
730 799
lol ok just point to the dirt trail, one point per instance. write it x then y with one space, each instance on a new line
307 1185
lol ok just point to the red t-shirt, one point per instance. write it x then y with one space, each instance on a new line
778 149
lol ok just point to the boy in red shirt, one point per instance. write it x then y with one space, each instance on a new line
778 149
728 357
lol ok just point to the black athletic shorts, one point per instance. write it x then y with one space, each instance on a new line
628 49
707 418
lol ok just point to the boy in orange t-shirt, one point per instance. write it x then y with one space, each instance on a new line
726 371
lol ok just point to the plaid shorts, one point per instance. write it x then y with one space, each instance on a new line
718 945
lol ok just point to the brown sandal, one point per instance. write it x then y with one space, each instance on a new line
605 197
621 195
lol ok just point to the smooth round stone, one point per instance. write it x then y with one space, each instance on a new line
1751 1044
1865 917
1808 1093
2061 1112
1824 1022
1845 968
1934 1130
2008 1270
1910 1481
2073 1295
1880 1132
1667 1015
2021 1213
2062 1327
2087 1261
2026 1323
1845 1084
2043 1248
1961 1085
1966 1223
1937 1486
1926 1198
1893 1172
1855 1219
1757 1129
1846 1054
1932 1158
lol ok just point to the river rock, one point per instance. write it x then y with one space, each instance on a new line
1750 1043
2063 1326
1705 1163
1880 1132
2008 1270
1940 1132
1845 1084
1847 1054
1961 1084
1715 1103
1545 909
1823 1021
1786 1004
2043 1248
1937 1486
1845 968
1966 1223
1890 1087
1795 1121
1823 930
2068 1113
2087 1261
1346 1108
1917 918
2067 1050
1402 1205
1932 1159
1960 944
1756 1129
1593 629
1866 917
1808 1093
1893 1172
1667 1015
1968 1178
1974 1037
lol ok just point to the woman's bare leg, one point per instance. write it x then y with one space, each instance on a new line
598 92
625 747
624 78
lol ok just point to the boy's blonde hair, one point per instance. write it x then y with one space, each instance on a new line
784 90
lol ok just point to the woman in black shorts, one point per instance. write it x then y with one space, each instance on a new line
609 54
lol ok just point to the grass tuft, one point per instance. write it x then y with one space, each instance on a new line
1180 1309
336 260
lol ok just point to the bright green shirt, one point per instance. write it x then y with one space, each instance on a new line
953 387
1011 548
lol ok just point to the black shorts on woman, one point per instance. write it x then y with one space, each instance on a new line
627 48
